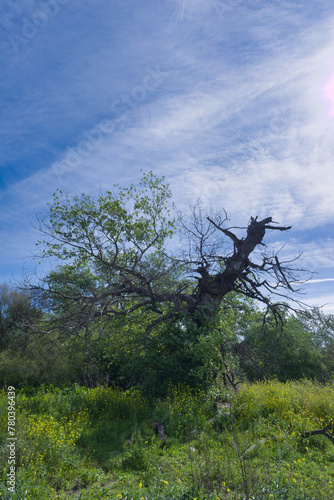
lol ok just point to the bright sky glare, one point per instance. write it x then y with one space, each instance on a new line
232 101
329 95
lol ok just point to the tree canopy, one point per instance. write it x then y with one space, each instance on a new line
139 294
119 258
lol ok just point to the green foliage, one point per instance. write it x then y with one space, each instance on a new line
128 314
116 314
180 352
183 410
321 328
115 282
18 313
289 351
128 352
98 443
117 404
72 218
300 405
117 231
174 355
45 360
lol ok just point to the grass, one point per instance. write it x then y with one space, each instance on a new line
87 444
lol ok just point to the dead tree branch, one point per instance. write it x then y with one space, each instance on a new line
320 431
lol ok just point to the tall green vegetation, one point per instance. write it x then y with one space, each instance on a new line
148 372
235 347
288 351
100 443
125 305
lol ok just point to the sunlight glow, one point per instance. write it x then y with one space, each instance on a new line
329 94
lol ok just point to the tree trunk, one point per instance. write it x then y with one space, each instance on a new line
212 288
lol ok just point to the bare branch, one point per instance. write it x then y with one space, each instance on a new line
320 431
228 233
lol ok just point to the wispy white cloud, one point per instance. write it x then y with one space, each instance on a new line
240 117
320 280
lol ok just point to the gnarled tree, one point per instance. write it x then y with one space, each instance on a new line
118 262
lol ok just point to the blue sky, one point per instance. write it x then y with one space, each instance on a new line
232 101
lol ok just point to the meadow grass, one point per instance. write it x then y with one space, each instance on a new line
86 444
